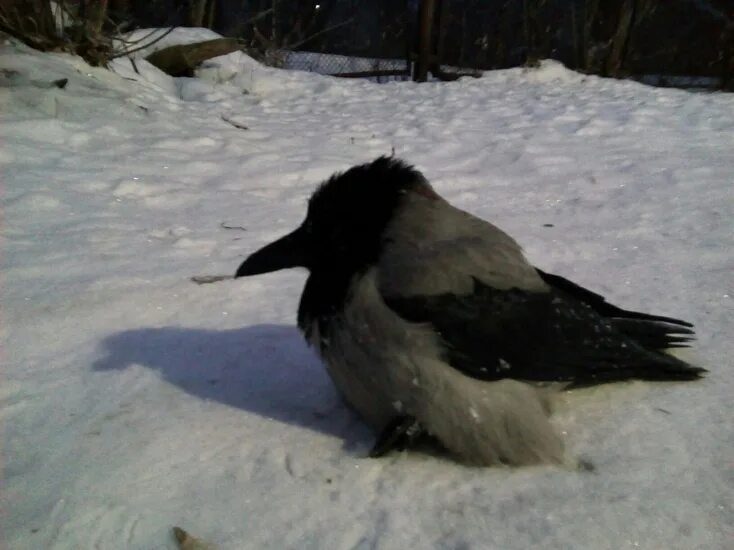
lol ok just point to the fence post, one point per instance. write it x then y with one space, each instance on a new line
425 27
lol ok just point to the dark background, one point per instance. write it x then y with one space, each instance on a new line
621 38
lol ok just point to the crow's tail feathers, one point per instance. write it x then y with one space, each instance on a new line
653 334
649 365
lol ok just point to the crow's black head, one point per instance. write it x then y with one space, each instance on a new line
345 222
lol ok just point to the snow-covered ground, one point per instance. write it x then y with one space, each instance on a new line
132 399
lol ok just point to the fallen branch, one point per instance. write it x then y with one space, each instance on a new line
371 74
450 76
182 59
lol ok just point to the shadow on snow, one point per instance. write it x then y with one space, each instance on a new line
264 369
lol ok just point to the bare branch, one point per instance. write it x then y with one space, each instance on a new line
323 31
265 42
261 15
139 40
128 52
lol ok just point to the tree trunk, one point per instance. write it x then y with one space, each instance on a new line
96 16
29 18
590 10
197 11
440 34
210 14
425 32
620 40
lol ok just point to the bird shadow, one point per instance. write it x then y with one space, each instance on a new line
263 369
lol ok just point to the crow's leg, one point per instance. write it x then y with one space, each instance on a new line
400 432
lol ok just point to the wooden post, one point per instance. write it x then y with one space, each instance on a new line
425 27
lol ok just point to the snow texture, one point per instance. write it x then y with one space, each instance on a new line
132 399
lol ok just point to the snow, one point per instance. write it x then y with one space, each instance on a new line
133 400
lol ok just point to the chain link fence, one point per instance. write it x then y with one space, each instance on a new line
379 70
337 37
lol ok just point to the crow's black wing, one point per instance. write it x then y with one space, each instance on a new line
492 334
653 332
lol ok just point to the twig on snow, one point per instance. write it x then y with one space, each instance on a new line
236 125
188 542
208 279
225 226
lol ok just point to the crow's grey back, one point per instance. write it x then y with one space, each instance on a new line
434 248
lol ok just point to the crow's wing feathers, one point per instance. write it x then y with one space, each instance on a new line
500 317
492 334
653 332
600 304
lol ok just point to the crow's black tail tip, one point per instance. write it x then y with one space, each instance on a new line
682 373
678 372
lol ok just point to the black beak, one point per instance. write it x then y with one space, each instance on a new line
288 251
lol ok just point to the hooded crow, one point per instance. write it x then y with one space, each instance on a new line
431 321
